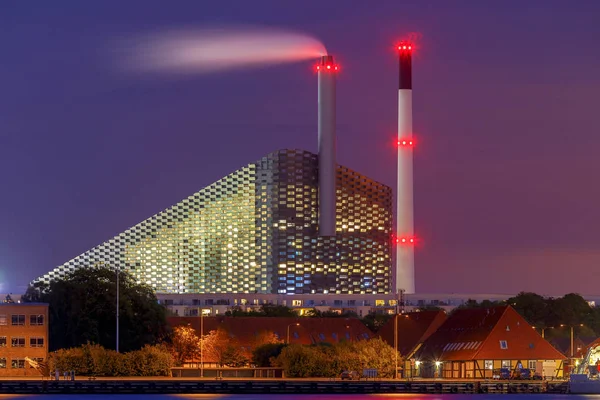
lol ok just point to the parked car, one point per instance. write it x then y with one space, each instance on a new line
350 375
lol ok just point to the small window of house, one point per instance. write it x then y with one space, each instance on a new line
503 345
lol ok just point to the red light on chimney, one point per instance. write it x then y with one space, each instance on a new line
405 240
329 67
405 143
405 47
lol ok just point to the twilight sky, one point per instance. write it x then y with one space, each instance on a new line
505 113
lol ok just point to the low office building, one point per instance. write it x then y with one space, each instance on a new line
23 333
487 342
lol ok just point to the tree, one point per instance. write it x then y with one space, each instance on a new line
82 309
326 360
185 344
376 321
533 307
222 348
266 310
265 337
263 354
314 313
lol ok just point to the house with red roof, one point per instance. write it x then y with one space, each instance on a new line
246 331
485 343
412 329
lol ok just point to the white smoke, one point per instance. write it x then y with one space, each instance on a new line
217 49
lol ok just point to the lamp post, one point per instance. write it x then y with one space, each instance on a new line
571 326
288 331
543 330
201 343
396 344
118 270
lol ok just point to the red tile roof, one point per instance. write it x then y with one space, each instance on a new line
310 330
413 328
480 334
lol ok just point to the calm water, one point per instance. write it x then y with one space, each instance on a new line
308 397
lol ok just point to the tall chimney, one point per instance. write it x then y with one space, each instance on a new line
327 71
405 238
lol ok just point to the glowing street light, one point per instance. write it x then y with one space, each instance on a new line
543 330
288 331
571 326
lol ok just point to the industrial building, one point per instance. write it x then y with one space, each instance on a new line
256 231
292 223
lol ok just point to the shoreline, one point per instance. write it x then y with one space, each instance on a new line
166 385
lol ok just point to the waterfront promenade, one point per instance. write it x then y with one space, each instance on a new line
164 385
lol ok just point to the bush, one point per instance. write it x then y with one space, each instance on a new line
95 360
262 355
300 361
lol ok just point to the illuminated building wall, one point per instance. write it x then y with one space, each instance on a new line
256 231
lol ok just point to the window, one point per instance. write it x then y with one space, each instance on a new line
379 303
322 337
489 364
18 342
18 319
2 341
36 320
17 363
296 303
532 364
36 342
503 345
505 363
2 363
3 320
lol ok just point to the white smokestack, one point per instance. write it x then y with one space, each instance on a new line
327 71
405 238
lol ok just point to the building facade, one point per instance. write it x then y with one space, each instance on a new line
23 333
256 231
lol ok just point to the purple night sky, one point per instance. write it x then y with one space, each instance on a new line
505 114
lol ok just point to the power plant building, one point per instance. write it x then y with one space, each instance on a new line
257 231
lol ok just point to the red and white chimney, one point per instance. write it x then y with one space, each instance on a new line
405 237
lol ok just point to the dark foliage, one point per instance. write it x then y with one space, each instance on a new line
83 310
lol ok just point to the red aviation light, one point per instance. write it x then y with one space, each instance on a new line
406 142
405 47
408 240
327 67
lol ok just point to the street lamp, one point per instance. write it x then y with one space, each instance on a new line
571 326
544 330
288 331
117 270
201 342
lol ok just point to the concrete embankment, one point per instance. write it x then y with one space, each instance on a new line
167 386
